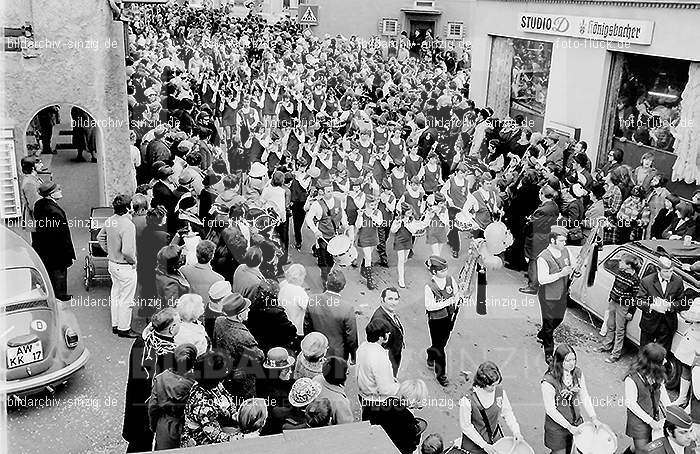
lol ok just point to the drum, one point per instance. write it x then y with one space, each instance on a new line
263 220
417 228
342 250
507 445
463 221
592 441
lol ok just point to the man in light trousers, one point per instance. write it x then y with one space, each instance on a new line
118 239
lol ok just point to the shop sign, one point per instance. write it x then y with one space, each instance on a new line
598 28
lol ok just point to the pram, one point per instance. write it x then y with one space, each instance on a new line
96 263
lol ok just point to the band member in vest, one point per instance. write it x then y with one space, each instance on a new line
369 221
403 238
430 174
437 219
553 271
354 163
483 204
300 188
678 434
537 234
455 190
563 392
441 306
645 393
481 410
326 219
356 199
387 205
414 163
397 147
365 145
397 178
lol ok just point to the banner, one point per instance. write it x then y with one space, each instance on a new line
597 28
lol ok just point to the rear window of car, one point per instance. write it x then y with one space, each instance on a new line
21 284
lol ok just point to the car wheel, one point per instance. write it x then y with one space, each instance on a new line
673 373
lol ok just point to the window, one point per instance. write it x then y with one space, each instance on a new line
455 30
648 108
425 4
390 27
530 79
612 264
23 284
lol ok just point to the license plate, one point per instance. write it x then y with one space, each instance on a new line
24 354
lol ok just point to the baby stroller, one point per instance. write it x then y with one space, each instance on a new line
96 263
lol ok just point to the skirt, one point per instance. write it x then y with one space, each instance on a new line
367 237
403 240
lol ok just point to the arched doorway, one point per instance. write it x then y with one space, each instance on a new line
68 142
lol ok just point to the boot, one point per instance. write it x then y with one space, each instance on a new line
682 400
370 280
363 269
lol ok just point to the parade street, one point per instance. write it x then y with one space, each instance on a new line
85 416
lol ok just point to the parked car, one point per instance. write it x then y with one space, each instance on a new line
39 337
594 297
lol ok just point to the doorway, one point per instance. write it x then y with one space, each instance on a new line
422 26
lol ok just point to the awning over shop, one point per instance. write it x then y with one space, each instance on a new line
426 11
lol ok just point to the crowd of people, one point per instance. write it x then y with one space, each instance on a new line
242 131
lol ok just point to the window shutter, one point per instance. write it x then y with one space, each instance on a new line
10 206
380 26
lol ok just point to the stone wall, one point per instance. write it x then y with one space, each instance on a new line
78 59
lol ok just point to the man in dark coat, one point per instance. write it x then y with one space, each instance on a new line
537 232
164 195
150 355
52 240
660 297
387 312
328 314
157 150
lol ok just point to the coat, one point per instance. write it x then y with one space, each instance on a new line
396 341
399 424
30 195
246 281
149 356
170 287
687 228
341 412
662 446
538 228
328 314
270 326
649 288
148 243
166 408
52 240
234 338
200 278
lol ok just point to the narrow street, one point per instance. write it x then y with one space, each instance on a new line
85 416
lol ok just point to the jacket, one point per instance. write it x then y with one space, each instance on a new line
328 314
246 281
270 326
396 341
170 287
30 195
341 412
649 288
166 408
200 278
538 228
52 240
662 446
233 337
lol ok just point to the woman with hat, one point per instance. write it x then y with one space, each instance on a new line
437 218
210 407
276 381
310 360
369 219
403 238
303 392
441 306
645 396
563 392
481 410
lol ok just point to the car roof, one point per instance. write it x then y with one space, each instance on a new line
673 247
16 252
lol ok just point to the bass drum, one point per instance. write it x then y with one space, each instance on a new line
264 220
342 250
592 441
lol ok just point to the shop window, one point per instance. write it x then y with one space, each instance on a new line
390 27
455 30
648 107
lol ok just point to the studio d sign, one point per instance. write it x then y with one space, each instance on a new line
597 28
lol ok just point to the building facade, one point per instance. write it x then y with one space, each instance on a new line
68 52
448 19
617 74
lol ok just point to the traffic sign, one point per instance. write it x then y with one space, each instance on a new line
307 15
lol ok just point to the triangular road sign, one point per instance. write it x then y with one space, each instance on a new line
309 17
